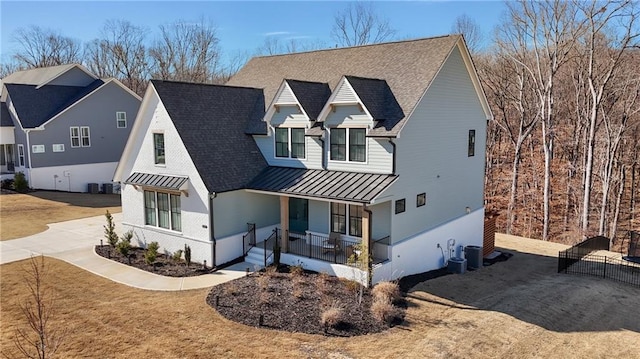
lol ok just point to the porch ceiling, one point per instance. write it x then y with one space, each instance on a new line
335 185
157 181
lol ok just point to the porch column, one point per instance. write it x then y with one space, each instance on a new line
366 240
284 222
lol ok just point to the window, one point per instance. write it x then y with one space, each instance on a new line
338 218
472 143
400 206
3 161
295 136
355 221
338 144
85 137
121 119
282 142
150 208
59 147
162 210
37 148
421 200
21 155
297 143
158 148
75 136
357 145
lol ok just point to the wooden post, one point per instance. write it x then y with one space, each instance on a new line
365 256
284 222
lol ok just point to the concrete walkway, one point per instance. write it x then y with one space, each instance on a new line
73 242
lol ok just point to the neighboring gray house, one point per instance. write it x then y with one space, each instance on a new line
69 127
374 149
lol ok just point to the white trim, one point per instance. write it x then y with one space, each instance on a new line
21 158
91 93
346 160
118 119
71 128
38 149
289 143
74 66
347 219
57 147
324 113
272 106
320 199
82 136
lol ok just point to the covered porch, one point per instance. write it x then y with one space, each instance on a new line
329 216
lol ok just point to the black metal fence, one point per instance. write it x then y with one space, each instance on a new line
249 238
579 260
336 250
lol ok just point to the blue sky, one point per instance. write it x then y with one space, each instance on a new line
242 25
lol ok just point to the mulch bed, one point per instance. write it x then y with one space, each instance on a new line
164 265
295 303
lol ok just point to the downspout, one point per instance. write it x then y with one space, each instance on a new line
211 232
369 246
28 149
393 166
323 152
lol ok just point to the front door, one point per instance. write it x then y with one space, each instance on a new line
298 215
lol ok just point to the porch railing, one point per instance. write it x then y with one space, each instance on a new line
249 238
268 245
340 251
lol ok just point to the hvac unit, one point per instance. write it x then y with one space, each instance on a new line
457 265
474 257
107 188
92 188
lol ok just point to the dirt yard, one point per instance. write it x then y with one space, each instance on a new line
26 214
516 309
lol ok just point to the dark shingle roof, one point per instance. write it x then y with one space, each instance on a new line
5 117
377 98
337 185
35 106
211 121
311 95
408 67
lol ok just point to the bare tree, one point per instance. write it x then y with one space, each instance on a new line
187 51
359 24
45 47
471 30
9 67
273 45
41 340
120 53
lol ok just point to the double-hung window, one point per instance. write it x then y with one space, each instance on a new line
85 136
290 142
162 210
121 119
21 155
348 144
158 148
339 221
471 151
75 136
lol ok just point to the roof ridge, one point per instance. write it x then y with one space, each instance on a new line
364 78
205 84
359 46
309 82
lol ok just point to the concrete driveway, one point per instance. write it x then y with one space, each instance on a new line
73 242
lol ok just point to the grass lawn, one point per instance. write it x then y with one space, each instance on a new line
515 309
26 214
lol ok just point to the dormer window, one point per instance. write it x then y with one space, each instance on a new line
348 143
290 142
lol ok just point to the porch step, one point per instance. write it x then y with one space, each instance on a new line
256 257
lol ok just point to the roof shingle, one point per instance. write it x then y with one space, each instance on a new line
408 67
311 95
211 121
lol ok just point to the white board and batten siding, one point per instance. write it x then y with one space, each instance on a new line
194 208
285 95
344 93
432 154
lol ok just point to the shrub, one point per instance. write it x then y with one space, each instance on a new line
187 254
386 290
271 271
322 282
331 317
177 255
110 230
7 183
383 311
263 281
297 292
231 288
20 183
152 253
124 246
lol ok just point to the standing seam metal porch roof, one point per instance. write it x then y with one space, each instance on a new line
157 181
335 185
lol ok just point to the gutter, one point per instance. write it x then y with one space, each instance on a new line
28 155
324 153
393 144
211 231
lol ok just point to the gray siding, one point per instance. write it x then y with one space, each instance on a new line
233 210
73 77
432 154
99 113
347 116
289 116
381 222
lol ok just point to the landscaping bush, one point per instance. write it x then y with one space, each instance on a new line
177 255
7 184
331 317
296 270
152 253
110 230
383 311
124 246
20 183
187 254
386 291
